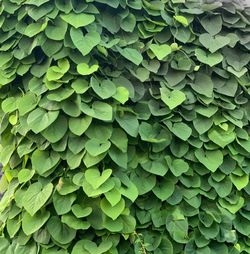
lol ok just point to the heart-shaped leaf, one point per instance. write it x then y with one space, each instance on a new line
160 51
209 59
210 159
79 125
84 43
172 98
30 224
213 43
85 69
78 19
112 211
105 89
99 110
39 119
95 147
95 178
43 161
36 196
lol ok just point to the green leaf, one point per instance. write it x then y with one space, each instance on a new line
99 110
119 139
131 54
25 175
220 137
96 147
36 196
157 167
84 43
181 130
30 224
178 229
59 231
75 223
112 211
129 123
212 24
239 182
89 247
213 43
63 203
181 19
60 94
177 166
121 95
203 84
78 19
27 103
34 28
84 69
80 86
164 189
81 212
56 130
39 119
160 51
43 161
104 89
95 178
113 196
210 159
128 23
209 59
35 2
172 98
56 31
79 125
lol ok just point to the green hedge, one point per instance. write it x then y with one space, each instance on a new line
124 127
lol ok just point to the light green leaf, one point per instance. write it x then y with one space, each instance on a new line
84 43
160 51
84 69
129 123
39 119
63 203
210 159
25 175
78 19
75 223
95 178
104 89
30 224
99 110
56 131
131 54
79 125
207 58
43 161
239 182
112 211
121 95
113 196
220 137
36 196
96 147
172 98
213 43
81 212
27 103
181 19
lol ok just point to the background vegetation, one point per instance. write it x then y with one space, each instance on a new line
124 127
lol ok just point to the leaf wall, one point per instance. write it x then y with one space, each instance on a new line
124 127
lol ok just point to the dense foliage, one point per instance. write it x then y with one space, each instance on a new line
124 127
